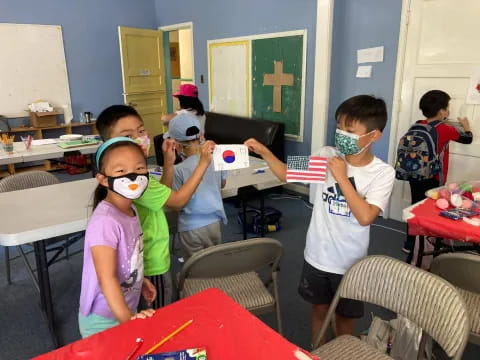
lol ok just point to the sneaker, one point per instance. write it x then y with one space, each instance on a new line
406 251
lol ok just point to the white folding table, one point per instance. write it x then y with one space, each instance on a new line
41 152
38 214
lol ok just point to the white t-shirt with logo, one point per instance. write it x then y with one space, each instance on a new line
335 239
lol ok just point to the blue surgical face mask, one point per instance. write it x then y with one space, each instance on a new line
347 143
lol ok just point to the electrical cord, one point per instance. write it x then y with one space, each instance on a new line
310 206
291 197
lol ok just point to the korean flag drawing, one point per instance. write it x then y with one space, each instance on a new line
230 157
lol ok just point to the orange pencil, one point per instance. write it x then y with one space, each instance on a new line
168 337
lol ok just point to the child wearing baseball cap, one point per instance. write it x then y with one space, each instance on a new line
199 220
187 96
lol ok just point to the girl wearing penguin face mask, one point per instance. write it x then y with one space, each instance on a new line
122 170
112 277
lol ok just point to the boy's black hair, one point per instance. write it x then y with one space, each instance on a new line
366 109
191 103
109 117
433 101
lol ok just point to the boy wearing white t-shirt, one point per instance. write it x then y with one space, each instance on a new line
356 191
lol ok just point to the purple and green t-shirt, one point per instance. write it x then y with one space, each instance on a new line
108 226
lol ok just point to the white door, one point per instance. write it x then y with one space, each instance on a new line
441 52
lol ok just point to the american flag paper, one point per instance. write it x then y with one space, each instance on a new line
307 169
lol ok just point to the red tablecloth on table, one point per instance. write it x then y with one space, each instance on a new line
227 330
427 221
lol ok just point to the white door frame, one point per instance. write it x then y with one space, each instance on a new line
321 83
180 26
397 92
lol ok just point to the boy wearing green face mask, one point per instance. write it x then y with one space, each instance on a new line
356 191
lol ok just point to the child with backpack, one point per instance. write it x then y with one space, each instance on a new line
423 152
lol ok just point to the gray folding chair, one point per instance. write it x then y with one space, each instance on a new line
28 180
461 270
426 299
232 268
172 220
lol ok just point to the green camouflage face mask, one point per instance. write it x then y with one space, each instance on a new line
347 143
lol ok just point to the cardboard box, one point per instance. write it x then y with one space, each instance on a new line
43 119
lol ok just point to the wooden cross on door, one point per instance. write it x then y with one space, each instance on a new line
277 80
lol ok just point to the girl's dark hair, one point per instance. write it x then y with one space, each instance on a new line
101 191
433 101
191 103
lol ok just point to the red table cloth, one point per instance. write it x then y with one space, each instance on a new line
222 326
427 221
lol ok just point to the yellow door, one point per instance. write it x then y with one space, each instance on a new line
143 74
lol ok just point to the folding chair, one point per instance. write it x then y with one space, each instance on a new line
28 180
461 270
426 299
232 268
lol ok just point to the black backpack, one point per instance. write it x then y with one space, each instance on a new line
417 156
271 218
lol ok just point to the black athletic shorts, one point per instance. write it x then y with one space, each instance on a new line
319 287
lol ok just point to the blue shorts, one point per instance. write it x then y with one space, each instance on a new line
94 323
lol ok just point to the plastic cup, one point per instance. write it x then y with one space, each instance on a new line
27 143
8 148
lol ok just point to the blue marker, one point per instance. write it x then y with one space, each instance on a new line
260 170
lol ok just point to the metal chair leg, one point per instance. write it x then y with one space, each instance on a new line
30 270
7 264
67 246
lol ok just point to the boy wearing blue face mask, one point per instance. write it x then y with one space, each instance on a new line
356 191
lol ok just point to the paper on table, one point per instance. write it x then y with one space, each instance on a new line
230 157
364 71
473 95
44 142
370 55
40 106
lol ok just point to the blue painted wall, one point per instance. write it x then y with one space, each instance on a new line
358 25
93 60
216 19
90 40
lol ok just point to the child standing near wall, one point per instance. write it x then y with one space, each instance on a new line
122 120
435 107
112 277
199 221
356 191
